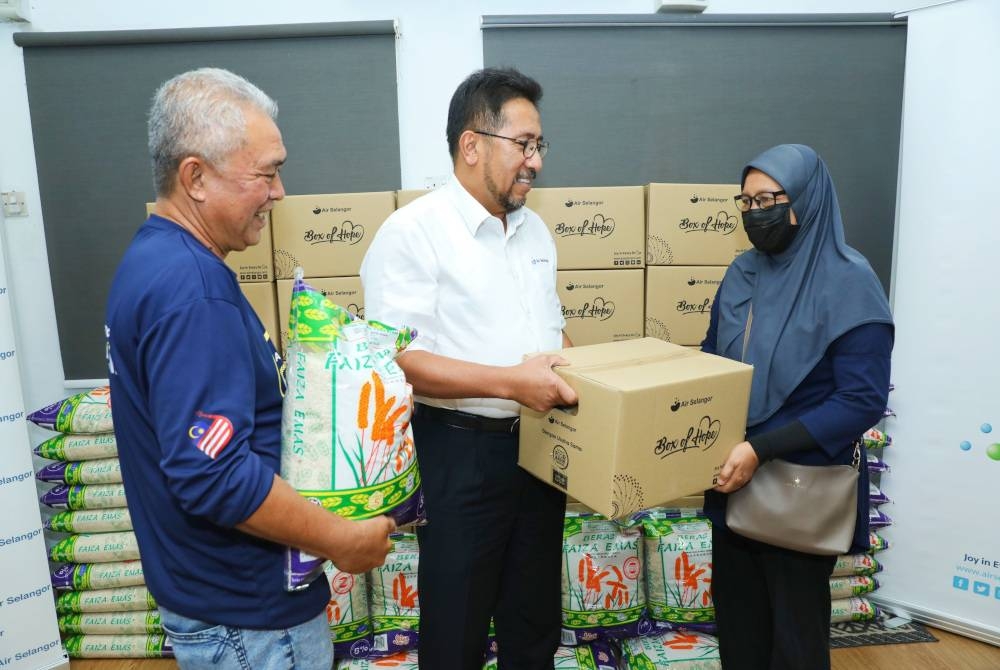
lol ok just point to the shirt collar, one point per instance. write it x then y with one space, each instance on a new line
474 214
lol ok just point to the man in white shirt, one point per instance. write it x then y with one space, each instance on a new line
474 271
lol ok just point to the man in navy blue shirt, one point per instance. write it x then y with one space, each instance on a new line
196 388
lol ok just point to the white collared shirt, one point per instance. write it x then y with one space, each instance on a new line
445 266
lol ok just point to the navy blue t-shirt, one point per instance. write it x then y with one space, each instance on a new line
196 400
844 395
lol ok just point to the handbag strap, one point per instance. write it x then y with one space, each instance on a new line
746 335
856 461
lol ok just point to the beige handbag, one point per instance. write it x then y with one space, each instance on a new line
808 508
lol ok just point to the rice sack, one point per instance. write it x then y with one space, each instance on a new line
83 413
854 585
679 570
857 608
876 439
404 660
96 548
84 496
122 599
67 447
603 594
876 542
90 520
84 576
111 623
394 597
673 650
118 646
346 440
348 614
856 564
98 471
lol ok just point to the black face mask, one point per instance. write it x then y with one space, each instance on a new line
770 231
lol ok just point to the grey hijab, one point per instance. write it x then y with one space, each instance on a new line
803 298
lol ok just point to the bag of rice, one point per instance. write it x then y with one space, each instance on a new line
395 598
67 447
875 495
121 599
90 520
594 656
348 615
854 585
346 440
84 496
96 548
603 594
856 564
87 412
403 660
878 518
852 609
876 465
84 576
111 623
98 471
678 569
118 646
673 650
876 542
875 438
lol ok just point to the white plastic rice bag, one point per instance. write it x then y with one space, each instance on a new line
346 440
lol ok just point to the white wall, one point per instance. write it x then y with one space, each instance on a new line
439 44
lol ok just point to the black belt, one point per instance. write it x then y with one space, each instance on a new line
453 417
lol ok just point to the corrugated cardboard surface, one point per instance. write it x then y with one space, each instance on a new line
679 301
327 235
654 423
344 291
693 224
261 297
406 196
599 227
601 305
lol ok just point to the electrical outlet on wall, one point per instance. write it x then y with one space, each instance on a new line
14 10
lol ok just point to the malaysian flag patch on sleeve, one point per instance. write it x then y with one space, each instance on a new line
210 433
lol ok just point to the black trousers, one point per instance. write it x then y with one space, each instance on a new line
492 547
772 605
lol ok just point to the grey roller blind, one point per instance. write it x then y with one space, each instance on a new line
89 93
638 99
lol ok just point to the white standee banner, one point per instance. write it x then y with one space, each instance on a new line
943 565
29 634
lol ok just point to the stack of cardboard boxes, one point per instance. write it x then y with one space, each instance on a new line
693 232
600 241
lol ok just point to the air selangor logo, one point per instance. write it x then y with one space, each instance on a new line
695 198
584 203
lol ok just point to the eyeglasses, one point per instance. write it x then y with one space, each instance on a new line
764 200
528 147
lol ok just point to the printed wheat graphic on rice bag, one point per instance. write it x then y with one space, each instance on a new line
347 443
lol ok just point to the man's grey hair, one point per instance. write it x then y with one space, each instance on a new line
200 113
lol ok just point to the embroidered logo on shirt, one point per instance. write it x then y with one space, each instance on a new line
536 261
210 433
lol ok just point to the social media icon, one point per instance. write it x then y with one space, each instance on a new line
960 583
981 589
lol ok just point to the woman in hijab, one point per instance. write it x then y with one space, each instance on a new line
809 314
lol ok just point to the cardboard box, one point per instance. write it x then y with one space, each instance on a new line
594 228
655 422
601 305
327 235
406 196
262 299
344 291
679 301
253 264
693 224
